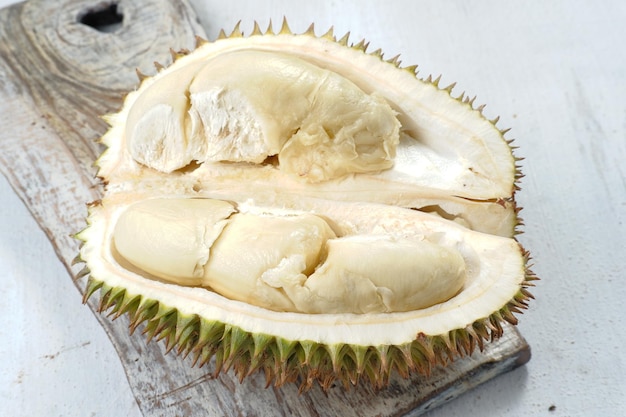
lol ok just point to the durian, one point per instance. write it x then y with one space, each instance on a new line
293 204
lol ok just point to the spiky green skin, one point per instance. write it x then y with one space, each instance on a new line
303 362
307 362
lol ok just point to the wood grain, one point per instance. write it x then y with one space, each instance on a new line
57 76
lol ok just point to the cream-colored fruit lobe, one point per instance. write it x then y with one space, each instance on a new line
171 238
320 124
157 124
254 248
286 261
378 273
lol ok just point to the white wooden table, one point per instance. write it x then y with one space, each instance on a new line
556 74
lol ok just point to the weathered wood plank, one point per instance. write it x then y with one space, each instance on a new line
57 76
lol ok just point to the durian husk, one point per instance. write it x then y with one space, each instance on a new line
305 362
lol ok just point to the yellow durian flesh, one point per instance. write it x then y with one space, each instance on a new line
246 106
434 153
172 238
286 262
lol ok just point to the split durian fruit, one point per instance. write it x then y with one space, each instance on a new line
293 204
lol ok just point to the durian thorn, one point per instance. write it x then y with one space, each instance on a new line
269 376
481 330
527 293
270 29
204 355
377 53
284 29
456 341
305 385
140 75
450 342
82 273
495 120
411 68
344 39
530 275
327 381
221 35
239 339
196 356
361 355
256 30
464 343
158 66
329 34
105 290
257 358
450 87
158 321
236 33
494 320
334 356
200 41
78 259
186 335
166 333
461 97
132 326
183 351
314 354
362 45
79 236
406 351
219 360
128 305
395 60
383 360
241 370
285 349
437 80
210 333
92 286
310 30
185 326
149 331
145 311
425 346
473 336
481 108
516 307
115 299
508 316
173 54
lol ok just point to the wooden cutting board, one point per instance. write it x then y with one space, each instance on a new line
63 64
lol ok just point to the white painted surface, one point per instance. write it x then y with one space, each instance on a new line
555 72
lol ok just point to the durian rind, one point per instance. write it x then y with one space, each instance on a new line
304 361
495 265
310 348
460 133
